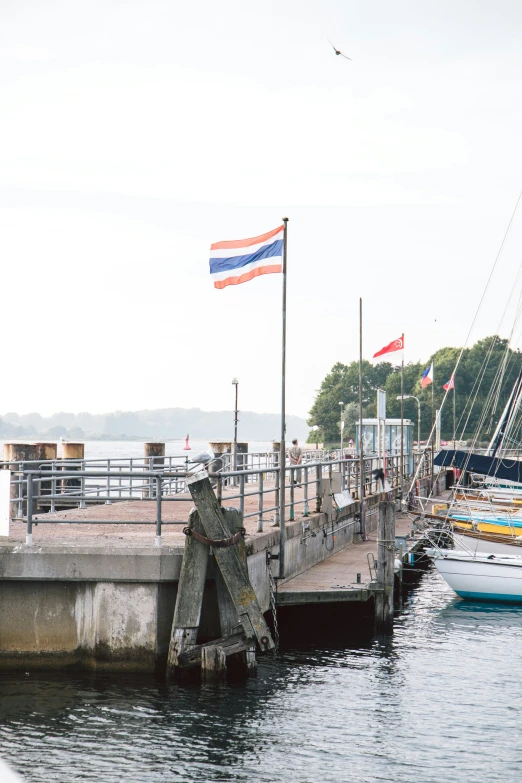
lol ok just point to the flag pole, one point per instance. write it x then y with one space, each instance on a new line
361 455
402 418
433 393
282 450
454 392
432 424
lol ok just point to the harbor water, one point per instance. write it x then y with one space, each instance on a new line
438 700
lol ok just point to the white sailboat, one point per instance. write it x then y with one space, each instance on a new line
478 545
481 576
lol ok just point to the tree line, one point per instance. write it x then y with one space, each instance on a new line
476 376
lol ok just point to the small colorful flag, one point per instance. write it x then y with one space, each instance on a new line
396 345
427 376
240 260
450 384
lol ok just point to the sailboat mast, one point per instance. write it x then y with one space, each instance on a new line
509 411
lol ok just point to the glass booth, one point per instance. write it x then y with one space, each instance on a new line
392 436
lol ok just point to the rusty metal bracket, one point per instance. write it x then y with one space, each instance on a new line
216 543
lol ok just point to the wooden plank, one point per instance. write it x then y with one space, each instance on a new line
228 616
304 597
385 566
231 645
232 568
189 601
213 663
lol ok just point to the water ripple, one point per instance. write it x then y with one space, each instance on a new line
437 702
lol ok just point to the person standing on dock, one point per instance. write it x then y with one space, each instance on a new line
296 458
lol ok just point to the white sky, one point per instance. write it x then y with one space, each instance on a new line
134 134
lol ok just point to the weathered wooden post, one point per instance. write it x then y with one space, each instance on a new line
16 454
229 561
213 662
228 615
73 452
219 449
154 454
239 611
47 452
385 567
189 602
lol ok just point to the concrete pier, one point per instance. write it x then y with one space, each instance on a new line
102 596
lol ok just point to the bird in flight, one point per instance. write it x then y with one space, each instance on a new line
337 51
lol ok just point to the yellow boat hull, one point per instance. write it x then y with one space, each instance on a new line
490 527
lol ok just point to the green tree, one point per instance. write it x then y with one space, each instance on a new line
483 383
342 385
351 419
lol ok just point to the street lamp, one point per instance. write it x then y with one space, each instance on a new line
342 428
235 383
412 397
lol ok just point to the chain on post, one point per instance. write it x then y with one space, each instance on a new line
273 606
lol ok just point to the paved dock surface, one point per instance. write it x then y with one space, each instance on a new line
335 579
90 531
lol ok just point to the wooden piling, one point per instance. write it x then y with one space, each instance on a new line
73 452
228 616
154 454
189 602
157 452
47 452
385 567
232 569
242 663
213 663
16 453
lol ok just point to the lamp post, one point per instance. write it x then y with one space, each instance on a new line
235 383
342 428
412 397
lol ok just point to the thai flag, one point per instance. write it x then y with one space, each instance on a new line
427 376
240 260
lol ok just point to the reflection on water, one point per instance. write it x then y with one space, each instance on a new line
436 702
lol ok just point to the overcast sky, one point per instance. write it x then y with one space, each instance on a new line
134 134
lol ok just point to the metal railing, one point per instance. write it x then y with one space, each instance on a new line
37 487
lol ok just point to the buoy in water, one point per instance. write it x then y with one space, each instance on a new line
186 447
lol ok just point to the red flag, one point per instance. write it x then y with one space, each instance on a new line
450 384
396 345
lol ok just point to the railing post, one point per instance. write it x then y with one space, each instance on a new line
260 505
151 480
242 495
292 485
20 504
305 507
318 487
29 533
108 484
53 488
219 489
158 511
277 491
83 504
